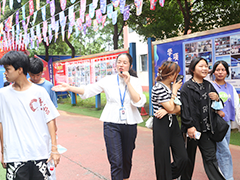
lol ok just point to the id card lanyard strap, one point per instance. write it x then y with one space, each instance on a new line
121 98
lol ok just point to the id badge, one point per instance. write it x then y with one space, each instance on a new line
123 114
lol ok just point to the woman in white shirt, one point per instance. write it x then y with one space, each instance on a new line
120 115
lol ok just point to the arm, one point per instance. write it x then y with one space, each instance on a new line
1 138
65 87
55 156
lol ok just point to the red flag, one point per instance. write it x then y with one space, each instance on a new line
31 7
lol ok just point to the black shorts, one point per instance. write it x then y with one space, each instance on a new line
29 170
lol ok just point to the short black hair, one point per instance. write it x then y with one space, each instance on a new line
17 59
194 62
224 63
130 59
36 65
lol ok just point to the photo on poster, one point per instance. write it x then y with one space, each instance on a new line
189 58
235 44
235 60
227 59
208 57
191 48
235 72
205 46
222 46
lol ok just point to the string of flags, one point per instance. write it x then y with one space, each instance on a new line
18 36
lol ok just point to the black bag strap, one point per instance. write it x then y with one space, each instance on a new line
210 110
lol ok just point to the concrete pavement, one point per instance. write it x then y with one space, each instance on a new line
86 157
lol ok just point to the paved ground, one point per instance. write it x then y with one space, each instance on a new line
86 157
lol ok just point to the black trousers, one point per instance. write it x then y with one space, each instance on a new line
208 151
164 138
120 143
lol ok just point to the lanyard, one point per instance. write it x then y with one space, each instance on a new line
122 99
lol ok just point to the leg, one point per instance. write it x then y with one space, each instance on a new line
179 153
39 170
191 151
113 143
208 150
17 171
128 134
161 142
224 157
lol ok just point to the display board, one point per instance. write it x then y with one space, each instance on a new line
86 69
213 45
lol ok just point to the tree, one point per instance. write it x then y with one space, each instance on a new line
178 16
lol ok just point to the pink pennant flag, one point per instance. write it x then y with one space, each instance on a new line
88 20
153 4
161 2
3 6
63 4
104 20
99 15
31 7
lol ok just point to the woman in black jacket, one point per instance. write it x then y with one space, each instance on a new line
195 95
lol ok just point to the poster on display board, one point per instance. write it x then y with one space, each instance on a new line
213 45
86 70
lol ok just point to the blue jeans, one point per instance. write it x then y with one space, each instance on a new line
224 157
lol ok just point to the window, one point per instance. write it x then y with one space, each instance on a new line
143 59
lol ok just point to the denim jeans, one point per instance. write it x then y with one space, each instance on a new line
224 157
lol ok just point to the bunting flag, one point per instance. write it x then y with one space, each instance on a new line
50 33
73 1
11 4
63 4
71 15
17 17
76 31
17 40
114 17
126 13
3 6
43 9
31 7
23 12
38 5
34 18
18 1
95 25
52 8
44 29
18 28
56 30
122 5
39 36
0 11
88 20
95 4
103 5
83 5
8 23
1 28
47 1
161 2
115 3
104 20
139 8
109 11
28 20
153 4
62 18
32 33
99 15
82 15
79 24
70 29
13 34
53 23
20 41
84 28
63 32
91 11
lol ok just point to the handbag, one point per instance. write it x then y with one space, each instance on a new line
149 123
219 126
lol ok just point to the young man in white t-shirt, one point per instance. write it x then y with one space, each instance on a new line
26 123
35 72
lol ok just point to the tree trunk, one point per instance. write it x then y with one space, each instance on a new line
69 45
46 51
115 37
186 15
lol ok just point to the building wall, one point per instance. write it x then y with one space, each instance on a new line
141 49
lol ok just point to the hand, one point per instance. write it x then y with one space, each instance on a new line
213 96
176 86
55 156
4 165
160 113
221 113
125 75
191 132
61 87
